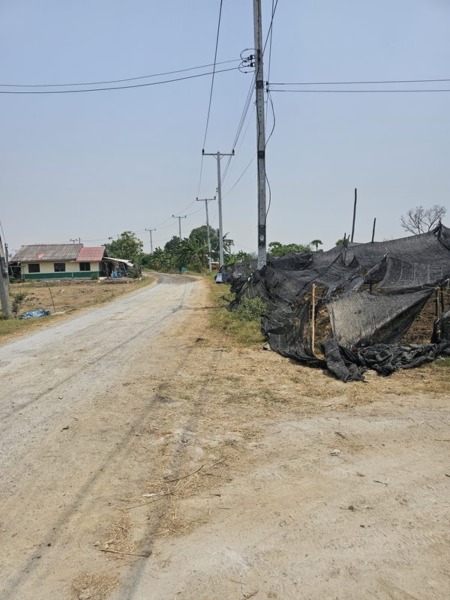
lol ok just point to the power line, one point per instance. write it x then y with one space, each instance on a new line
210 97
254 156
242 119
41 85
413 91
387 81
270 44
269 31
123 87
241 175
228 168
213 74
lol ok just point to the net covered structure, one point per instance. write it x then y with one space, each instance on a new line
350 309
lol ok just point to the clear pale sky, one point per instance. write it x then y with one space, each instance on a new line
92 165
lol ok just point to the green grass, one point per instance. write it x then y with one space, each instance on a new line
11 326
241 331
443 362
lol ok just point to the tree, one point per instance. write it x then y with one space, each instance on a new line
316 243
420 220
277 249
126 246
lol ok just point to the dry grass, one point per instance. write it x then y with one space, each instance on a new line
232 329
89 586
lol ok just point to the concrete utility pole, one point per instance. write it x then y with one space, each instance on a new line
260 133
218 156
179 223
4 283
151 241
206 200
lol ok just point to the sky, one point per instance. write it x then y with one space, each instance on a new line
92 165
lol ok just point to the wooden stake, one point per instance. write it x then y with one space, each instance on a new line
313 317
354 215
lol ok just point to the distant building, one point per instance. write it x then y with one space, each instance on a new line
60 261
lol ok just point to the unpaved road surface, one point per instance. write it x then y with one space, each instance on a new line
145 457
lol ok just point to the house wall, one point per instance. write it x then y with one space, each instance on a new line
72 271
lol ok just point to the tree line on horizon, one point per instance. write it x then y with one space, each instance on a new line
191 253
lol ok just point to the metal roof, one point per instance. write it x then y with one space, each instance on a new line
94 254
120 260
47 252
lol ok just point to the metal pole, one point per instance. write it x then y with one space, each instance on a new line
218 156
4 284
179 223
206 200
354 215
260 133
151 240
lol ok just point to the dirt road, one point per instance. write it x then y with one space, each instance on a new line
145 457
69 425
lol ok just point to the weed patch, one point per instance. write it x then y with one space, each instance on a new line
241 328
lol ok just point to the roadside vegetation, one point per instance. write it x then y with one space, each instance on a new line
242 326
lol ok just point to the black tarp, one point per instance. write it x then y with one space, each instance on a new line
372 294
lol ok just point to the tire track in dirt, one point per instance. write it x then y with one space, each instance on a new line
118 453
83 365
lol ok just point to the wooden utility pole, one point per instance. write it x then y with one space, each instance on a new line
260 134
4 283
206 200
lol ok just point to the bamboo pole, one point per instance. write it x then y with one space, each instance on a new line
313 317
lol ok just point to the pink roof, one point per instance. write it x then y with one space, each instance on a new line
94 254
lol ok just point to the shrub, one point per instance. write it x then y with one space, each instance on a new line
17 302
250 309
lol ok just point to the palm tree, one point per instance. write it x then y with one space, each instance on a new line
317 243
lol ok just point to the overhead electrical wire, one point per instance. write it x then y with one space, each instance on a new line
213 74
268 39
383 82
210 96
122 87
163 74
269 30
241 123
270 43
386 91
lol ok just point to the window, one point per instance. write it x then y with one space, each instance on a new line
34 268
85 266
59 267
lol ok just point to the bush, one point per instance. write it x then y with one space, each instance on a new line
250 309
17 302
